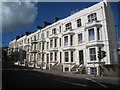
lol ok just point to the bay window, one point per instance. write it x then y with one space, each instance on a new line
51 43
72 56
80 38
66 57
66 41
51 56
92 54
91 34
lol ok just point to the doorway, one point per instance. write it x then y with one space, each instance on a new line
81 57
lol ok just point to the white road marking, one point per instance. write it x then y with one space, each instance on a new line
96 82
77 84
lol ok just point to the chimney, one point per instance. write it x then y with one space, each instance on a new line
39 27
56 19
46 23
27 33
22 35
17 37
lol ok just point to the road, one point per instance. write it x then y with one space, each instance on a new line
24 78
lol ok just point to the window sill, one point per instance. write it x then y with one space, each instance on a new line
95 62
69 62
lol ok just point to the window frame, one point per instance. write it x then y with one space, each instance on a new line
54 31
51 57
47 45
92 54
47 34
55 42
51 43
79 23
80 38
55 56
92 17
66 41
68 26
72 56
66 54
93 70
91 37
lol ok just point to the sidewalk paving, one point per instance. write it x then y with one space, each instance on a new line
101 79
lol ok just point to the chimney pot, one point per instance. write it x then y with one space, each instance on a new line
56 19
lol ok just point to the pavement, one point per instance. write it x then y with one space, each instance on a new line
101 79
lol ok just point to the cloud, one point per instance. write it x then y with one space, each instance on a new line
17 15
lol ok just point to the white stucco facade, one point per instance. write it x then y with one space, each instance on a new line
74 42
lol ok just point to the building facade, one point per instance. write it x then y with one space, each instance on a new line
72 44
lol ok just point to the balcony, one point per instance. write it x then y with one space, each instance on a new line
34 51
34 41
69 32
68 48
40 51
53 49
95 43
95 23
27 44
41 40
53 36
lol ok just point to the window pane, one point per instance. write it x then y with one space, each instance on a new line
68 26
66 41
91 34
51 43
51 56
55 56
66 57
66 69
60 41
93 70
47 33
78 22
55 42
71 40
92 17
71 56
79 36
92 54
98 34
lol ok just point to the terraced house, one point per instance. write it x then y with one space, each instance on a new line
71 44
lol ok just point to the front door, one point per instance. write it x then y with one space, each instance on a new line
81 58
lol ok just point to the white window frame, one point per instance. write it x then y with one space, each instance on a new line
90 36
79 23
68 26
92 17
66 56
66 41
93 54
80 40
